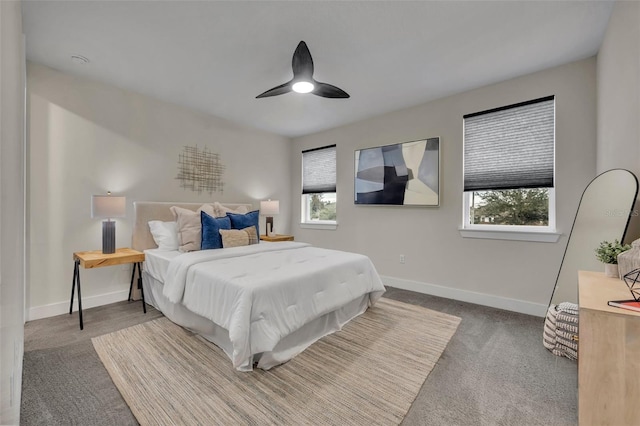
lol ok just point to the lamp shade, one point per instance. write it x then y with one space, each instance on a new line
108 206
270 207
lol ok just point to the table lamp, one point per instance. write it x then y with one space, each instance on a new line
108 206
269 208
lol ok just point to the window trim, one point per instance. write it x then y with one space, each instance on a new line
510 234
305 199
513 232
323 225
546 233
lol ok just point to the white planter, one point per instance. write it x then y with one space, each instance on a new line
611 270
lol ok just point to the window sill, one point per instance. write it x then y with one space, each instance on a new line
332 226
492 234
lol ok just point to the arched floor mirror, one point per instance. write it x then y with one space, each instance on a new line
603 214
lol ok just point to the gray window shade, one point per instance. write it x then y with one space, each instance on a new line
319 170
510 147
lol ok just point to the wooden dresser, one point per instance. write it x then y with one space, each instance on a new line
608 354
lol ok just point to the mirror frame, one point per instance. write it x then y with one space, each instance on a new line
621 238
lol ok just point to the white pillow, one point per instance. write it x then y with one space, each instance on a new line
165 234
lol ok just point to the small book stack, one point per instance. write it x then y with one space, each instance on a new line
632 280
631 304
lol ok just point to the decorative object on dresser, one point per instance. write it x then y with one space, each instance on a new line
269 208
109 207
403 174
630 304
607 253
632 280
630 259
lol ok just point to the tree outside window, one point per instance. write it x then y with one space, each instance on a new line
322 206
523 207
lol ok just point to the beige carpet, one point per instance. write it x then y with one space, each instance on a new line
368 373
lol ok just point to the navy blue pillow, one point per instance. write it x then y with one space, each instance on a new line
211 226
241 221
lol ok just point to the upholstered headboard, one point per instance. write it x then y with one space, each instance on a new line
151 210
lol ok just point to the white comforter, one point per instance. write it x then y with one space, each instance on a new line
262 293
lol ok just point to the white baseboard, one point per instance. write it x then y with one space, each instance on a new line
529 308
46 311
499 302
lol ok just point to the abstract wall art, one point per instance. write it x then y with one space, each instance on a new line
200 170
403 174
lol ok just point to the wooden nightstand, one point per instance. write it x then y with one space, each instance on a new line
276 238
97 259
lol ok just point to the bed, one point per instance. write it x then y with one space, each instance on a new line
262 304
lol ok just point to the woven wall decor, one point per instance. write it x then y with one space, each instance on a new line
200 170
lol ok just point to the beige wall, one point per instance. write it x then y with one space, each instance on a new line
87 138
619 96
12 198
509 274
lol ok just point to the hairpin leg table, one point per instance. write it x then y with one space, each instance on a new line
97 259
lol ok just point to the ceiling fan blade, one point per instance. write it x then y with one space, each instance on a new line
329 91
302 63
278 90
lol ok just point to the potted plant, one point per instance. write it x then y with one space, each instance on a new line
607 253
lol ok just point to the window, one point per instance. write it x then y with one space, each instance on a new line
509 168
319 187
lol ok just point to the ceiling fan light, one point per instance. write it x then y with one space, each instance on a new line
303 87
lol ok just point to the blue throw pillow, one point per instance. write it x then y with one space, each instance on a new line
241 221
211 226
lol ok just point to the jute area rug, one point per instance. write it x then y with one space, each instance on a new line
368 373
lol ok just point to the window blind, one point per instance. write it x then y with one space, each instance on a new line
510 147
319 170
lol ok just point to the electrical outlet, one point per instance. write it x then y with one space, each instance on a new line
402 259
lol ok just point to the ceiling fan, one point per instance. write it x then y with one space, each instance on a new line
302 81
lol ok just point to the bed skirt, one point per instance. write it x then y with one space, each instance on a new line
287 348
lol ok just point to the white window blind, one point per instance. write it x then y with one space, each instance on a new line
510 147
319 170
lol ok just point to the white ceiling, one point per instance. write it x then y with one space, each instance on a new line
217 56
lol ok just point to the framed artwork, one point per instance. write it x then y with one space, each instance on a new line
404 174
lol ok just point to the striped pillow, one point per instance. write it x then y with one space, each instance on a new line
239 237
